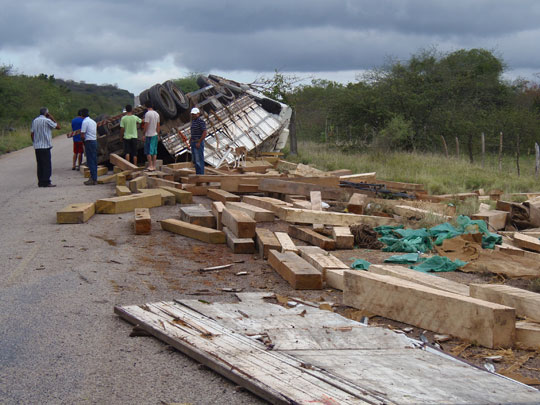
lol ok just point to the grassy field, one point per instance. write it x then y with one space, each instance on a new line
11 141
439 174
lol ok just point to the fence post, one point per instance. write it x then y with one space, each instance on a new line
500 150
517 154
445 146
483 149
457 147
537 160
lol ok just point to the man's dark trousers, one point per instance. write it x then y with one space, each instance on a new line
197 155
44 167
91 158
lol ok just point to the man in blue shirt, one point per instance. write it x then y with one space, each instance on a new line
41 136
78 145
198 133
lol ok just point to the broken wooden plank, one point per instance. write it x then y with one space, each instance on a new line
122 190
239 245
221 195
496 220
343 237
182 196
256 213
526 303
296 271
266 240
137 183
201 233
167 198
491 325
310 236
128 203
527 242
426 279
198 215
295 215
528 335
143 222
122 163
286 243
76 213
239 223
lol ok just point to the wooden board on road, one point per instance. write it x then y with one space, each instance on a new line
128 203
76 213
198 215
122 163
266 240
201 233
142 222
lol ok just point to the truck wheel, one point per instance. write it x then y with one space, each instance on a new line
271 106
203 82
179 97
162 101
102 129
144 97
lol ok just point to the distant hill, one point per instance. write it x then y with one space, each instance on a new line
22 96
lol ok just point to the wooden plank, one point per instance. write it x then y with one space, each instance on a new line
122 163
528 335
221 195
181 165
198 215
335 278
491 325
217 210
239 245
316 205
526 303
357 203
310 236
266 240
182 196
285 242
128 203
295 215
302 204
239 223
296 271
527 242
503 206
111 178
143 222
197 190
399 186
426 279
167 198
360 177
256 213
343 237
201 233
137 183
121 179
324 262
122 190
291 187
418 213
496 220
267 203
76 213
156 182
101 171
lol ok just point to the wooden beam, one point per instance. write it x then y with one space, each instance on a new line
143 222
193 231
221 195
360 177
323 261
156 182
291 187
122 190
197 190
267 203
310 236
256 213
182 196
266 240
239 245
76 213
239 223
343 237
167 198
418 213
296 271
286 243
137 183
335 278
295 215
491 325
527 242
217 210
101 171
111 178
528 335
122 163
526 303
198 215
356 204
496 220
128 203
426 279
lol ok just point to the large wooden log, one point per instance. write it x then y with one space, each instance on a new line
491 325
193 231
76 213
239 223
256 213
122 163
296 271
526 303
128 203
313 238
295 215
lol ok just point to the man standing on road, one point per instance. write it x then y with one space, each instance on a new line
89 136
42 139
78 145
198 133
128 129
151 130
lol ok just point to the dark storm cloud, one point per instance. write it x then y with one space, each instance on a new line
301 35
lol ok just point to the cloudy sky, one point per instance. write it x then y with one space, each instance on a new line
137 43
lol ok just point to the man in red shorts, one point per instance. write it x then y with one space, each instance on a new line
78 144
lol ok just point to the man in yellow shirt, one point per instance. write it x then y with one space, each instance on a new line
128 129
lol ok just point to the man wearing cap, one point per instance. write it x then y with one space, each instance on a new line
42 139
198 133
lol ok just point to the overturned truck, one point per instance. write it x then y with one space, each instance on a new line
236 116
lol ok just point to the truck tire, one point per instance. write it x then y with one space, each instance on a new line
179 97
144 97
203 82
271 106
162 100
102 129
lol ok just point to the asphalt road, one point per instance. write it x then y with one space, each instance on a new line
60 342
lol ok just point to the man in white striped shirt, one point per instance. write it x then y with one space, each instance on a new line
41 136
